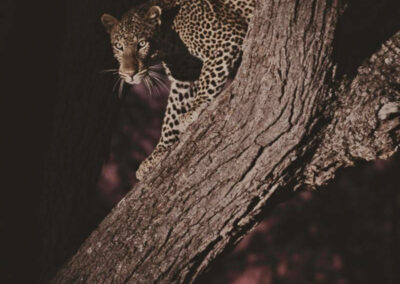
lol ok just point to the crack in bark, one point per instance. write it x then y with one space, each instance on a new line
197 260
252 163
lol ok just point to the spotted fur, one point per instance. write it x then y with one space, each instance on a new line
211 32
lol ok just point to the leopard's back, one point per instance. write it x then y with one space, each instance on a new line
205 25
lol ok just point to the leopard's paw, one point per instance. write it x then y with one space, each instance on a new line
150 162
143 169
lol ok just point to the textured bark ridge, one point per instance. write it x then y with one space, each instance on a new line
286 122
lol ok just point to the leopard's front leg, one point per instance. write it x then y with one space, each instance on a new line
179 102
186 100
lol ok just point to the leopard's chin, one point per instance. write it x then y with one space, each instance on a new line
134 81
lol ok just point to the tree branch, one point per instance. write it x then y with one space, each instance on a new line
282 124
360 128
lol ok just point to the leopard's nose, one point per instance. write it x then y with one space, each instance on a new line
130 73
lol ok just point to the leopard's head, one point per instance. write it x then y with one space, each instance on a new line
132 39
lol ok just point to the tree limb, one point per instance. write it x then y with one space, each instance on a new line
359 129
286 122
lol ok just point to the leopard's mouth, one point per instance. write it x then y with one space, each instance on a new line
153 78
135 79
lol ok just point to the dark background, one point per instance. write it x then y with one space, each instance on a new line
30 50
345 233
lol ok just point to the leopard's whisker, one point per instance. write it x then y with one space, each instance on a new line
156 86
109 70
152 79
155 73
141 72
121 88
151 85
146 83
158 75
156 67
158 79
116 83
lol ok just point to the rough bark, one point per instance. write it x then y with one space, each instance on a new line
286 122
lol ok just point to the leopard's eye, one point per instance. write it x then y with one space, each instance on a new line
119 46
142 43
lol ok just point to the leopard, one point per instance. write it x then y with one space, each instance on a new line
154 36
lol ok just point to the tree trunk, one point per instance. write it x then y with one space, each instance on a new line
292 117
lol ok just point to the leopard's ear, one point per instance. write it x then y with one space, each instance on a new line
154 14
109 22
